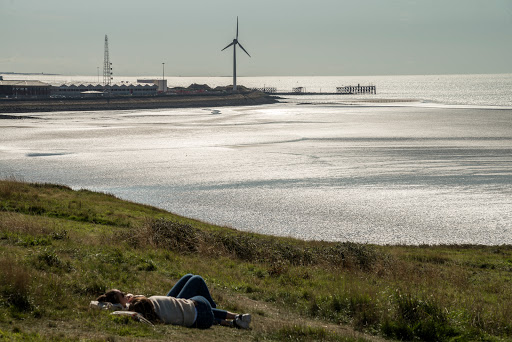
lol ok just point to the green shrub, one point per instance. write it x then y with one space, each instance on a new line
15 283
417 318
48 259
147 265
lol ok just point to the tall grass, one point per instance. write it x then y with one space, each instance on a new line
183 238
15 281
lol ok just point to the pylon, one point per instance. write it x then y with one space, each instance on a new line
107 66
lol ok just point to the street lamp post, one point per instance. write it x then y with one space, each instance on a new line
163 77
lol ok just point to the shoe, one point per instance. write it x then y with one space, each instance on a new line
245 317
242 321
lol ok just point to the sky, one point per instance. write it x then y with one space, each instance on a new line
284 37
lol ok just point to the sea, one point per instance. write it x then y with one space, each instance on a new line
425 161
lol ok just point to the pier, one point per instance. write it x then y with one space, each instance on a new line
357 89
343 90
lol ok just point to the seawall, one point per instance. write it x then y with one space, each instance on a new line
128 102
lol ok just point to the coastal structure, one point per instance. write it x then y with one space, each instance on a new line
24 89
266 90
345 90
161 84
359 89
90 90
86 103
234 43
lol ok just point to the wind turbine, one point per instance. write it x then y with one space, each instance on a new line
234 43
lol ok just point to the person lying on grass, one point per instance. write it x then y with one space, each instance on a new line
189 303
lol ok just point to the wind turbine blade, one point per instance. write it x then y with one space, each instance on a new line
227 46
237 27
244 49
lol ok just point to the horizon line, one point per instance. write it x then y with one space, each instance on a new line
222 76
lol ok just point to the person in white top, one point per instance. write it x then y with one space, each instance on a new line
189 303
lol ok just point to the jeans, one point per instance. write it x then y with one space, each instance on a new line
191 286
205 315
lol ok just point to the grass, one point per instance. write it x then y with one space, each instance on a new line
60 249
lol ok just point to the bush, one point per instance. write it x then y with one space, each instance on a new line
166 234
15 283
9 187
179 237
417 318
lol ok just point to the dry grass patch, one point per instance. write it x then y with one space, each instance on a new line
15 282
277 252
22 224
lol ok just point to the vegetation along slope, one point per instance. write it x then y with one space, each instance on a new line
60 249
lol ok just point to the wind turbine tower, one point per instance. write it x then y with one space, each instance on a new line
107 66
234 43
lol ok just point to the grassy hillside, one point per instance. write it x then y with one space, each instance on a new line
60 249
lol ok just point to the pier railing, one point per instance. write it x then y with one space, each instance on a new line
344 90
356 89
268 90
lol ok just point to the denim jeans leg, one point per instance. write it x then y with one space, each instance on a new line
205 317
196 286
220 314
179 285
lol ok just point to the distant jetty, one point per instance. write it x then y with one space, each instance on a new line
344 90
134 102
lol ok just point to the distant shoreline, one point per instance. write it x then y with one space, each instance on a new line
128 102
27 73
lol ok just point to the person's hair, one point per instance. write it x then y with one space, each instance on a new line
145 307
110 296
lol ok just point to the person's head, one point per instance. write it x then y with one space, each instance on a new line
144 306
113 296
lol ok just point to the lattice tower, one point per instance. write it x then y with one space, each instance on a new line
107 66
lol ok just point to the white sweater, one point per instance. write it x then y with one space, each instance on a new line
177 311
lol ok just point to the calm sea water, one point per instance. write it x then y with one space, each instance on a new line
436 169
472 90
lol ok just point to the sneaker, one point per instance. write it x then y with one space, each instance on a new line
245 318
239 321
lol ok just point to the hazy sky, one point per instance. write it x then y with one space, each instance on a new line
284 37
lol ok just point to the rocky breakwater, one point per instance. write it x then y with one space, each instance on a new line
133 102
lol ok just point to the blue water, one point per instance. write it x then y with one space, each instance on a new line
432 167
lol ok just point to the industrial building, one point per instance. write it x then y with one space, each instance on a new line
24 89
88 90
162 84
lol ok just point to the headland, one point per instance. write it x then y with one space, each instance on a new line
60 249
